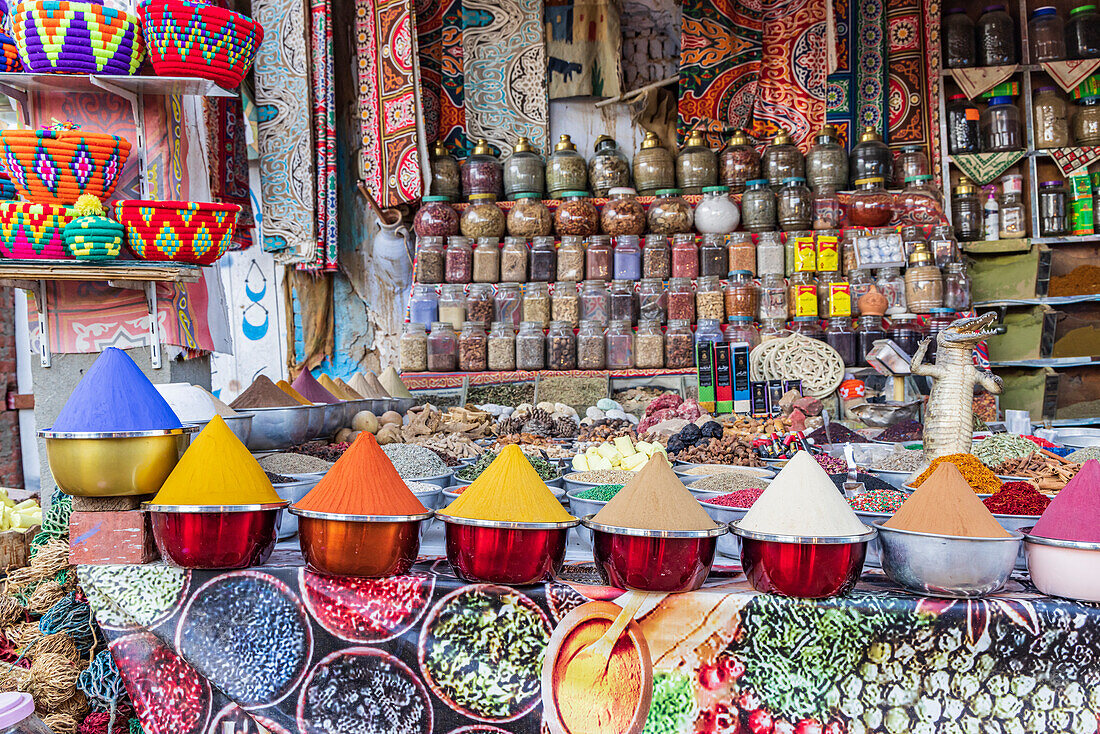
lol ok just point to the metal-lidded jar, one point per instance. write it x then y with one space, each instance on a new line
524 171
529 217
995 32
1083 32
446 177
717 213
696 166
870 158
923 282
1046 32
870 205
911 161
782 160
654 167
966 211
1053 209
959 49
670 213
566 169
794 205
739 163
481 172
1000 126
827 161
758 207
609 167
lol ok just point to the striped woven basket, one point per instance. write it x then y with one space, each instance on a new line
177 231
33 231
57 36
55 166
193 39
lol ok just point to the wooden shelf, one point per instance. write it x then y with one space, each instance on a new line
160 85
126 270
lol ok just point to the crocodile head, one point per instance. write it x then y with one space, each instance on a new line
968 332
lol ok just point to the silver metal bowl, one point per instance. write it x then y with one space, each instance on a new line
292 492
728 545
874 548
441 480
945 565
584 508
240 425
333 418
1019 524
274 429
316 427
865 454
402 405
895 479
683 471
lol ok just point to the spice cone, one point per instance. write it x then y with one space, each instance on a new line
946 505
802 501
509 490
311 389
263 393
346 392
655 499
362 482
1074 513
390 380
285 387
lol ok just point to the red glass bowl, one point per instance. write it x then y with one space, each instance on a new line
511 553
367 546
654 560
215 536
803 567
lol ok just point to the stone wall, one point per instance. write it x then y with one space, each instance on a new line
651 41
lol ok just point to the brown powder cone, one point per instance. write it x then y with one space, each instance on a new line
61 723
655 499
57 643
52 680
944 504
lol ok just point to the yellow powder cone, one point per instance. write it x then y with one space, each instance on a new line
510 490
286 387
216 470
329 384
393 384
346 392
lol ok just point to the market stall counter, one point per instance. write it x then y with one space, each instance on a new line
283 649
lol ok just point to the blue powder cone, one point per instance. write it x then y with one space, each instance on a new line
115 395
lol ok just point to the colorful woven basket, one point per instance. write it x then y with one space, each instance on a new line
191 39
33 231
57 36
178 231
56 165
10 54
91 235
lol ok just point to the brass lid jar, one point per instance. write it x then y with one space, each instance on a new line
524 171
654 167
697 165
566 169
609 167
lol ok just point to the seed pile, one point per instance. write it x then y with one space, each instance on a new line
729 481
602 476
904 431
870 481
1001 447
1017 498
878 500
837 433
900 459
741 499
291 463
1082 455
414 462
545 469
602 493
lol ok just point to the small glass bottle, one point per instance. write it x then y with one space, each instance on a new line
536 303
827 212
995 32
1046 33
1013 219
561 347
529 217
591 352
483 218
685 256
696 166
609 167
670 213
758 207
627 258
442 348
966 211
508 304
487 260
911 161
963 128
905 331
621 296
656 257
479 303
808 326
870 158
840 335
1083 32
1000 126
652 300
911 238
430 260
571 259
713 259
739 163
870 330
649 346
923 283
959 49
679 345
870 205
482 173
860 284
770 254
717 213
892 286
709 299
956 287
742 330
435 218
782 160
530 346
543 264
1053 209
741 252
576 215
620 345
413 349
794 205
623 214
708 331
513 260
452 305
772 302
595 302
742 296
827 161
502 347
654 168
681 300
524 171
424 305
446 178
1086 121
565 303
473 348
942 242
598 258
566 169
824 291
459 260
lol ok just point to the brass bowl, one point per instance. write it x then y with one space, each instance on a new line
114 464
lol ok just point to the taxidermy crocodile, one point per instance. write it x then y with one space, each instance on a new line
949 414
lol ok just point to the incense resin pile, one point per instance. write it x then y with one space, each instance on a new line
510 490
1074 513
114 396
945 504
362 482
655 499
802 501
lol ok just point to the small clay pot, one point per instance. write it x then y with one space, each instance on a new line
872 303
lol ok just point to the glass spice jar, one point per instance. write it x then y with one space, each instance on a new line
1000 126
423 304
482 218
808 326
959 48
452 305
622 214
459 257
912 237
536 303
591 354
542 265
772 301
473 348
870 158
940 319
620 345
911 161
1053 209
566 169
717 213
513 260
773 329
891 285
479 303
919 201
565 303
942 242
742 330
627 258
962 125
487 260
709 299
923 283
956 287
995 33
481 173
869 331
840 335
502 347
848 259
669 213
413 349
649 346
685 256
1046 33
529 217
1086 121
654 168
824 291
758 207
595 301
696 166
571 259
712 256
561 347
609 168
905 331
860 284
530 346
741 252
870 205
598 258
1083 32
739 163
708 331
681 300
770 254
827 212
524 171
1013 219
679 345
656 257
827 161
446 178
576 215
966 209
652 300
782 160
794 205
442 348
508 304
430 260
742 295
621 297
435 218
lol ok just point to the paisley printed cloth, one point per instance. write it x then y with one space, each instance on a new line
429 45
228 150
840 86
914 62
324 128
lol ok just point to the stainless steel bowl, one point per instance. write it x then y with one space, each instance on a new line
874 548
316 427
333 418
402 405
441 480
728 545
945 565
274 429
1020 524
895 479
584 508
683 471
292 492
240 425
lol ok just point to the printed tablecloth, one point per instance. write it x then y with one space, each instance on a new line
283 648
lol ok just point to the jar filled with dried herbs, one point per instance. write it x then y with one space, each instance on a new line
739 163
590 346
827 160
507 304
772 302
479 303
679 345
770 254
656 257
649 346
627 258
565 303
487 260
566 169
609 167
513 260
782 160
442 348
741 252
742 295
620 345
446 178
530 346
529 217
654 168
483 218
621 295
430 260
435 218
652 300
669 213
696 166
713 258
598 258
681 300
685 256
758 207
413 349
543 265
571 258
576 215
502 346
536 303
524 171
709 300
473 346
459 260
595 301
794 205
482 174
623 214
561 347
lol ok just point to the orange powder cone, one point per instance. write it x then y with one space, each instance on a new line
944 504
362 482
510 490
285 387
216 470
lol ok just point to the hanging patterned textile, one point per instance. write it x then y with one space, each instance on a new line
228 151
914 62
452 105
721 44
429 44
504 72
585 47
840 91
324 129
871 90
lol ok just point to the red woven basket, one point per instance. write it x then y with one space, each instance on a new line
200 40
177 231
33 231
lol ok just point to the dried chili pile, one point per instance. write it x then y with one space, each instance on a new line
975 473
1017 498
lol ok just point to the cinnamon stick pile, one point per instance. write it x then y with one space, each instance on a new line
1049 471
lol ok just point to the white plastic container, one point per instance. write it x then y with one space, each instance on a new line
17 715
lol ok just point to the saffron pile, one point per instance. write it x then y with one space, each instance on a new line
1074 513
510 490
115 395
285 387
362 482
655 499
1017 498
946 505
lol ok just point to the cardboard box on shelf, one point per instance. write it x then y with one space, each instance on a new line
1033 390
1008 269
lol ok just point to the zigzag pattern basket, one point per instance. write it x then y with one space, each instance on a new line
192 39
10 59
177 231
33 231
57 36
57 166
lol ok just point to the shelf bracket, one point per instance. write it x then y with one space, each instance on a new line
43 324
21 98
154 324
137 107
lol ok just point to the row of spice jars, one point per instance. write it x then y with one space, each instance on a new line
992 40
